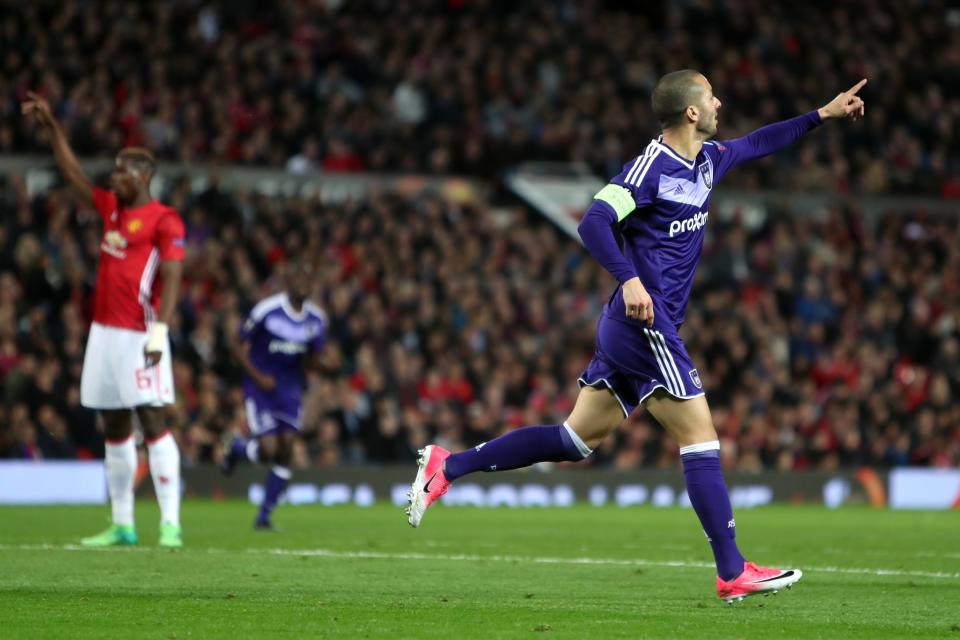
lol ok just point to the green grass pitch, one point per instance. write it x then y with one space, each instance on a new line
585 572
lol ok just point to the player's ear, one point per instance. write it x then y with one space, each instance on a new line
693 114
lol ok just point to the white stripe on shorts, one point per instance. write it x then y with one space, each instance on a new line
664 370
672 362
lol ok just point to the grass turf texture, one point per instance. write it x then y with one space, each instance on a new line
475 573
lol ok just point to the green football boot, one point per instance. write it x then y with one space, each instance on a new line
170 536
117 535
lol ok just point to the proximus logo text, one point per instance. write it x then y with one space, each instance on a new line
694 223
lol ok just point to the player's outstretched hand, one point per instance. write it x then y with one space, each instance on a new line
39 108
637 301
846 105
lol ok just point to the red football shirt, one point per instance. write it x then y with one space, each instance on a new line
133 244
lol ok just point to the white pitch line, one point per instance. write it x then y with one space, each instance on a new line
462 557
683 564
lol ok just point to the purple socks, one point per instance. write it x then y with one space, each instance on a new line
519 448
708 495
558 443
238 448
277 481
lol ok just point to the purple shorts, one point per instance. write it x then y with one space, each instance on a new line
632 361
266 418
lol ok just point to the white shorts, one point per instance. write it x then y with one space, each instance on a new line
115 375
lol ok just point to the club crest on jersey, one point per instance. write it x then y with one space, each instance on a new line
707 174
695 379
115 240
114 244
134 225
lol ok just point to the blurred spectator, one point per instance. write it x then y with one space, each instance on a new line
475 86
823 342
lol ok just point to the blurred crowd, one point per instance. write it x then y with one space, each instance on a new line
822 342
473 86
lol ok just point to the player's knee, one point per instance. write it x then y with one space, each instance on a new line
117 425
583 446
693 431
267 452
595 441
595 415
283 455
592 432
116 433
151 419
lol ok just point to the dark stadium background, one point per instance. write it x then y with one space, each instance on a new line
827 335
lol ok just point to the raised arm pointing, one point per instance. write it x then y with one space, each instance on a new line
846 105
67 162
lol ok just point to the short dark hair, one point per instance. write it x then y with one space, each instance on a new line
673 94
140 158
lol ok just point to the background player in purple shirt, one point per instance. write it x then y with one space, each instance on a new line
279 334
659 207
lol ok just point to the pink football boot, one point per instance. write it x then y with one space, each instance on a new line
430 483
755 580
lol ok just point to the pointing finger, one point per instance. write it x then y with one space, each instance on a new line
853 90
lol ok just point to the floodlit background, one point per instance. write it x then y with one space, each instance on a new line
433 157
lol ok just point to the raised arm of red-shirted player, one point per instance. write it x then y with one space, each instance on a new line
170 241
66 160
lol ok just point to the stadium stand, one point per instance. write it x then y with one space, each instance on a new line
420 86
447 321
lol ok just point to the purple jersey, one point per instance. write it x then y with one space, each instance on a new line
278 338
661 202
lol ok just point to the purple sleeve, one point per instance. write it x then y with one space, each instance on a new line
596 231
762 142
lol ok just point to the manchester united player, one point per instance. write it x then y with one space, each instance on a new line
127 365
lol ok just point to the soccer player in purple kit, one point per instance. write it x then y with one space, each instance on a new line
659 204
279 334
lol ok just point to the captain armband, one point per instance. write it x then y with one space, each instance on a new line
619 198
